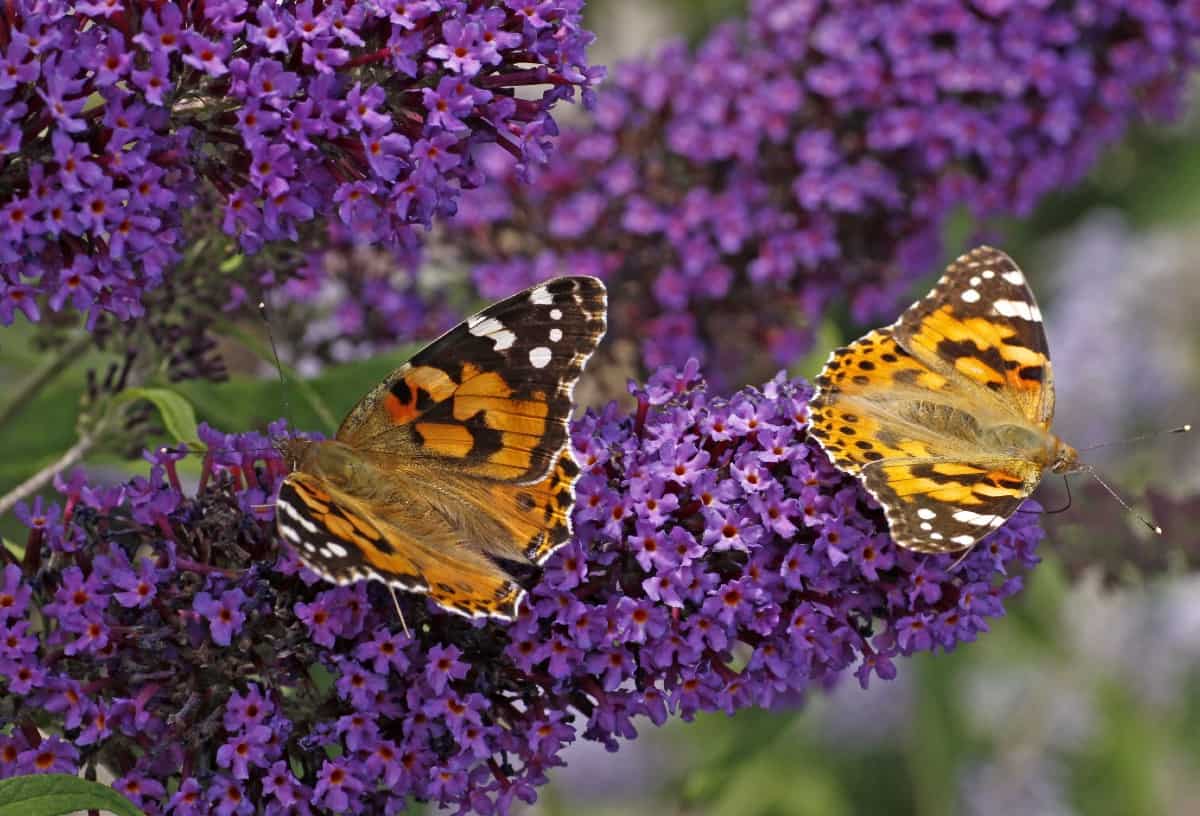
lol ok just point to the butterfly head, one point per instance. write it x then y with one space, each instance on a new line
294 451
1066 458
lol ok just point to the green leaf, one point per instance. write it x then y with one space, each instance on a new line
177 413
55 794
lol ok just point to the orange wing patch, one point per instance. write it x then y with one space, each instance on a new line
847 415
944 507
538 515
415 389
985 352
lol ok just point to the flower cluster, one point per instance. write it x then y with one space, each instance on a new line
119 120
815 152
349 301
720 562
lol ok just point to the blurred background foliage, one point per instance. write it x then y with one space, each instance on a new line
1085 699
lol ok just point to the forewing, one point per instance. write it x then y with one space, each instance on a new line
343 540
981 320
493 395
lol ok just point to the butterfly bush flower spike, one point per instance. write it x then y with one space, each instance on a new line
689 586
813 152
121 124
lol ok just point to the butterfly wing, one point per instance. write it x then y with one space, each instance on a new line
344 539
907 408
492 396
982 321
479 418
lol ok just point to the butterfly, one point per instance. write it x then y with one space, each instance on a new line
944 416
458 463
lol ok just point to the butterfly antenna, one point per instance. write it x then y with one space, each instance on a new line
1154 527
1139 437
396 601
262 310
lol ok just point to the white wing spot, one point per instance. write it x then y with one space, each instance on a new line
336 549
971 517
556 314
964 540
539 357
1014 277
976 280
988 274
1015 308
541 296
926 513
502 338
555 335
936 536
295 516
971 295
926 526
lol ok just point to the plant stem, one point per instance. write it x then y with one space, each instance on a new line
293 378
43 376
43 477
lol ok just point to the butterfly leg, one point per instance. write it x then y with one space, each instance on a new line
963 557
396 601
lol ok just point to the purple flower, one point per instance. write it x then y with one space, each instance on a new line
54 755
224 616
169 110
244 750
338 788
386 650
245 711
140 789
139 587
444 666
322 623
14 594
459 49
636 621
187 800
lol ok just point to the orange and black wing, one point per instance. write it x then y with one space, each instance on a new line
908 408
486 407
982 321
343 540
492 397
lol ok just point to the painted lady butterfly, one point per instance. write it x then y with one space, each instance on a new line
458 462
945 414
